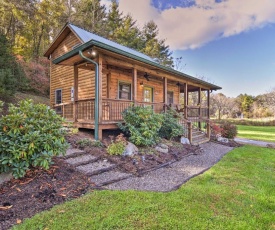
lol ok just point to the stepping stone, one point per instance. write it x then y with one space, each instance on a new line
73 153
81 160
95 168
109 177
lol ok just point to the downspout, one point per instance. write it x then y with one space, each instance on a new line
96 92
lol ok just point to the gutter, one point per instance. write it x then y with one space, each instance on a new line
132 56
96 91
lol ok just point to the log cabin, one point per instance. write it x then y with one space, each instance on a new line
93 80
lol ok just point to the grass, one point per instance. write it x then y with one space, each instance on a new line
267 121
237 193
262 133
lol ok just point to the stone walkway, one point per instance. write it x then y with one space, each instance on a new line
254 142
106 175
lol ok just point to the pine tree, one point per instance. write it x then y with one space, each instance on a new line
91 15
154 47
128 34
114 21
12 76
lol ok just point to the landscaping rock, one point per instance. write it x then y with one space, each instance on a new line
159 149
5 177
184 140
222 139
163 146
272 146
130 150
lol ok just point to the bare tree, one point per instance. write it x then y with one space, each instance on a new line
222 105
178 64
270 100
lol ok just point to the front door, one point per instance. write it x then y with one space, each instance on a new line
148 94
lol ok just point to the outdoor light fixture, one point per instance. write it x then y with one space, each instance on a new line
146 76
92 52
141 83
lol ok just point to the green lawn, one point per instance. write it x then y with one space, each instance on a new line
262 133
237 193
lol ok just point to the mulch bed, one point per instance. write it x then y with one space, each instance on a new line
147 158
41 189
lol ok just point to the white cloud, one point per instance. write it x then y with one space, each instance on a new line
189 28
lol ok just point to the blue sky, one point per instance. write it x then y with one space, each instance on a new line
230 43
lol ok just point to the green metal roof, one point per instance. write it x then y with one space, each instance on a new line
133 56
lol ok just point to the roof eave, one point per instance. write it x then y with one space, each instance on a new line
121 52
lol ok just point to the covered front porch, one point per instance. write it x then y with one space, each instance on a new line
104 86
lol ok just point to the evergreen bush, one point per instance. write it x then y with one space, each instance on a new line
30 135
170 127
142 125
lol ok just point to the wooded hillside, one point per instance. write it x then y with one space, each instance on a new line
27 27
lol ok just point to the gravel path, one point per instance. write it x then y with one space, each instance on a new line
172 177
253 142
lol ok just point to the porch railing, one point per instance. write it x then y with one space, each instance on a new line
112 109
65 110
197 111
83 110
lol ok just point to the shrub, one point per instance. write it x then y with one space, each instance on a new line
30 135
229 130
117 147
170 127
142 124
86 142
215 129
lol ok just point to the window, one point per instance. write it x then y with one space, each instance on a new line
170 97
58 100
124 91
58 96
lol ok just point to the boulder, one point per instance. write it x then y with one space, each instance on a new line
222 139
159 149
184 140
163 146
130 150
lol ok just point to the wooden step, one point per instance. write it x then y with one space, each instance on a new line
199 140
198 137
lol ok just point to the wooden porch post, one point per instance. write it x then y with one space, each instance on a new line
100 96
208 103
75 106
208 114
108 84
134 80
185 100
199 103
165 92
